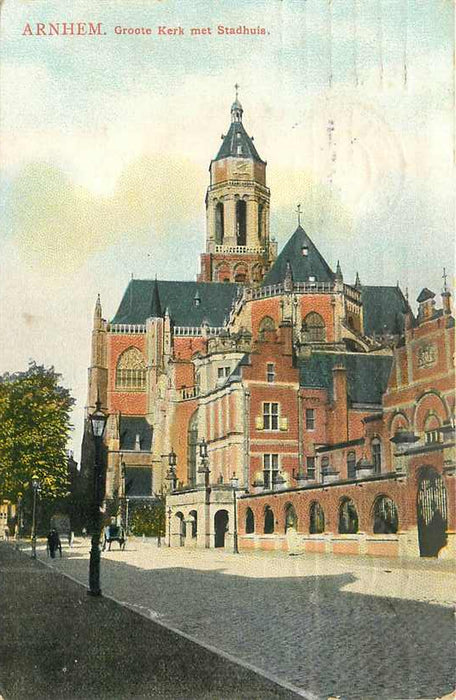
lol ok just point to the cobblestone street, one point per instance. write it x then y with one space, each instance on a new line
356 628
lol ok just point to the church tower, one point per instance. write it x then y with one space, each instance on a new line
238 246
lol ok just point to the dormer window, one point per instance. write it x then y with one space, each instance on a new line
305 250
239 150
312 278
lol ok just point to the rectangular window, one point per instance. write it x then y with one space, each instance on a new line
310 419
270 372
311 467
223 372
270 416
270 469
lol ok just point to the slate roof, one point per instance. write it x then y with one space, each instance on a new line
302 266
130 427
237 136
215 299
425 294
383 309
367 375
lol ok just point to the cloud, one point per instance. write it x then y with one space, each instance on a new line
58 224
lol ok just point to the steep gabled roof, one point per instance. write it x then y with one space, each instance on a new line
213 302
425 294
383 309
367 375
303 266
237 143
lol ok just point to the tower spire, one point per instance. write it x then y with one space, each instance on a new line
236 107
155 306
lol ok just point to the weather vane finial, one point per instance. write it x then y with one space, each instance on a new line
444 277
298 212
236 87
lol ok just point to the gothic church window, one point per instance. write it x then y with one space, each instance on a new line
267 325
385 516
131 371
377 455
249 522
317 519
348 517
351 465
268 521
313 328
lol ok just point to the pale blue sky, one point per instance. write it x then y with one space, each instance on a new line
106 143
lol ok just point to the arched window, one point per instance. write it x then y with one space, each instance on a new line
241 222
313 328
317 519
219 223
249 521
291 519
348 517
377 455
223 273
192 448
351 465
240 274
268 521
131 371
256 273
194 515
385 516
267 325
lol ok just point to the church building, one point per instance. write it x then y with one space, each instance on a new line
275 404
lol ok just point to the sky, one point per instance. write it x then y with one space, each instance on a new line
105 144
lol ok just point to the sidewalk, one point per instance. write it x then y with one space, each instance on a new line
58 642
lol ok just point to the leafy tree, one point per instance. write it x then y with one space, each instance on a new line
34 431
149 520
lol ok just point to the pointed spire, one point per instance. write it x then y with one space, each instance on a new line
97 312
236 107
339 275
155 306
288 278
357 281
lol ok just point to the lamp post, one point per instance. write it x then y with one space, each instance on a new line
19 516
35 487
171 475
169 526
204 469
98 421
235 485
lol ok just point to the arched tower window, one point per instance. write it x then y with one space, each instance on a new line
317 519
313 328
249 521
219 223
385 516
268 521
351 465
131 371
192 448
241 222
348 517
267 325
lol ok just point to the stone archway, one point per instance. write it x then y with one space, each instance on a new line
221 519
432 512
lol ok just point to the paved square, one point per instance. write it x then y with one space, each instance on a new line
356 628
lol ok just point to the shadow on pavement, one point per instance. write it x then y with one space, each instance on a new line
305 630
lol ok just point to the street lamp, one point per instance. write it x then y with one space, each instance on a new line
19 516
204 469
171 476
169 526
35 487
235 485
98 421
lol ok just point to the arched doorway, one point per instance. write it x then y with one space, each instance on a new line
181 528
432 512
220 527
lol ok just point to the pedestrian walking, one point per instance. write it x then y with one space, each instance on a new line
6 533
53 543
70 539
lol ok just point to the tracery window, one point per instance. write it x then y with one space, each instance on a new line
313 328
385 516
317 519
267 325
131 371
377 455
348 517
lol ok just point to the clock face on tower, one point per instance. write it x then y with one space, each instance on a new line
240 168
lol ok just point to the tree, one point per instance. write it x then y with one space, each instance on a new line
149 520
34 430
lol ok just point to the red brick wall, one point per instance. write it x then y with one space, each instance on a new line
132 402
